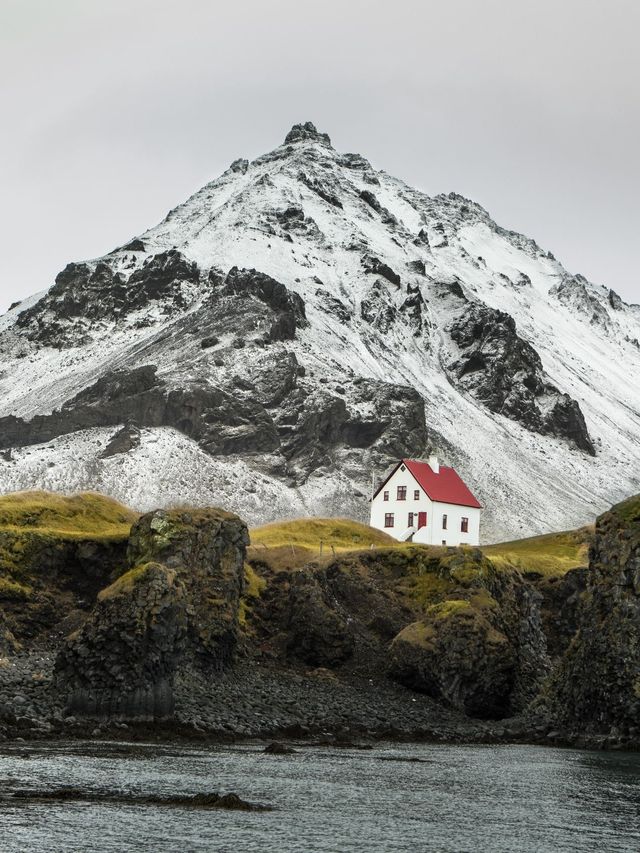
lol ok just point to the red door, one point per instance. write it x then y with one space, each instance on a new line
422 519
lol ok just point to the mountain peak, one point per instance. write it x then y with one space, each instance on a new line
306 132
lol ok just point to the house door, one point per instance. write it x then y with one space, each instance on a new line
422 519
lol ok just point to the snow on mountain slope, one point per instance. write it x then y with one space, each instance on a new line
303 320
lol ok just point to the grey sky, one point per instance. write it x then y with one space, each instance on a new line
114 112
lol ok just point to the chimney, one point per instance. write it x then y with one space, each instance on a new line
434 464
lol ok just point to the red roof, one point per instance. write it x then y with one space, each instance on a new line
445 487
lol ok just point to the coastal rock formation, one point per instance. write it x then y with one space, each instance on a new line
180 596
481 649
596 685
121 663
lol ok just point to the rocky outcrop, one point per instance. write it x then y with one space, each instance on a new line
456 655
304 621
504 372
481 649
219 422
596 685
207 549
121 663
561 601
574 293
124 441
180 597
306 132
83 295
287 306
317 427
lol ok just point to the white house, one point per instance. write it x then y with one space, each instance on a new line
426 502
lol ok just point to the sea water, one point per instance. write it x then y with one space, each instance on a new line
410 797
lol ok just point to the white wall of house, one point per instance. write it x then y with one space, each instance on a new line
453 534
415 502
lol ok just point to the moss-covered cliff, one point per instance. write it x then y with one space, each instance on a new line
597 683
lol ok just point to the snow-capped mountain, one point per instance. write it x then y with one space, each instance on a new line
301 322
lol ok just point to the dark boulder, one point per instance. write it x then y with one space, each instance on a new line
456 655
481 649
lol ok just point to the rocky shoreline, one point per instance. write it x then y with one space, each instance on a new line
252 702
176 632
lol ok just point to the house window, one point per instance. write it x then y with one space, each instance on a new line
444 522
416 495
464 525
402 493
444 541
388 519
410 522
385 496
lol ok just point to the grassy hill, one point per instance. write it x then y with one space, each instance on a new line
84 516
292 543
288 544
551 554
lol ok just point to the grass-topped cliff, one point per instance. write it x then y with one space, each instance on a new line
313 592
288 544
87 514
56 551
551 554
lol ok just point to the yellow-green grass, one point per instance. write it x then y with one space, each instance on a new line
78 516
550 554
341 533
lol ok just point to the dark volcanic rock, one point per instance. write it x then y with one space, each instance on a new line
180 597
377 309
306 132
378 267
482 652
316 633
122 661
288 306
125 440
323 188
505 373
192 801
82 296
455 654
276 748
218 421
334 306
597 683
207 547
562 598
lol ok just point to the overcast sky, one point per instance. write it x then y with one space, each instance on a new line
114 111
